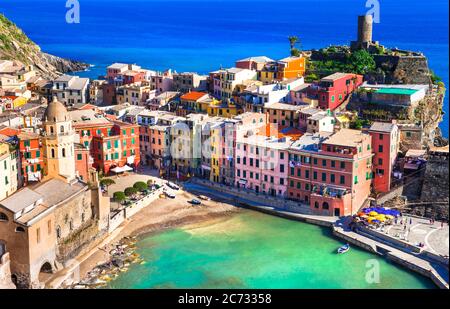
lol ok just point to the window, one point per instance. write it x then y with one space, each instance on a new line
53 153
324 177
58 232
38 235
292 171
61 129
3 217
324 162
342 180
355 181
20 229
325 205
333 163
342 165
332 178
316 204
64 152
380 148
315 175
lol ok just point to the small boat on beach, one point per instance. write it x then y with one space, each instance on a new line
343 249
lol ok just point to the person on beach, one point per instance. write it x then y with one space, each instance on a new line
410 220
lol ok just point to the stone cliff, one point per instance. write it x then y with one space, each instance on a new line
15 45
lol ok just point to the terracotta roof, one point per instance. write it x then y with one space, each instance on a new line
193 96
9 131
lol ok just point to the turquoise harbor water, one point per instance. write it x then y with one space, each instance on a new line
254 250
202 35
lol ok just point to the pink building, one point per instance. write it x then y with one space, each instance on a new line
162 82
385 144
262 164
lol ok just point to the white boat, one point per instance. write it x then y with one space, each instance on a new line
343 249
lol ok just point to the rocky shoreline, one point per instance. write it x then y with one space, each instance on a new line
122 255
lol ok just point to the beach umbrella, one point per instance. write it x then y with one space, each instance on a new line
373 213
361 213
390 217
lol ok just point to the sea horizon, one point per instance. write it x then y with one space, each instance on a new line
202 36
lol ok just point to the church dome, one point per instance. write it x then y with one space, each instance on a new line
56 112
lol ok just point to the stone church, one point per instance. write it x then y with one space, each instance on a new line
45 225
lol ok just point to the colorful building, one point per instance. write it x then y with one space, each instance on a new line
286 68
31 157
334 89
385 146
9 170
119 148
331 172
262 163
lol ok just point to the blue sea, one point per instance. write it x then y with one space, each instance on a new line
202 35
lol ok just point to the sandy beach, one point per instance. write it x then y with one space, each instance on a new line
162 214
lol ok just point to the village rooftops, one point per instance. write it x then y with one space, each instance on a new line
382 127
25 198
346 137
64 78
24 135
310 111
193 96
283 106
118 66
31 201
84 117
318 116
310 142
334 76
78 83
259 59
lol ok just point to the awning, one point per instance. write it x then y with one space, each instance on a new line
243 181
122 169
415 153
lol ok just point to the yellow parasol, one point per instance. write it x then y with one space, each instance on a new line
389 217
373 213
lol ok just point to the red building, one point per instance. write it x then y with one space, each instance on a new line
31 157
88 124
334 89
331 172
83 161
119 148
385 144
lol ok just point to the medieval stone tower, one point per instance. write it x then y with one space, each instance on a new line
58 142
364 38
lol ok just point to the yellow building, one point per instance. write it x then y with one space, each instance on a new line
8 170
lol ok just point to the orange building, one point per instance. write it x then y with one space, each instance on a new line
291 67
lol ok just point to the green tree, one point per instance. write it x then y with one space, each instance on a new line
119 197
106 182
294 40
130 191
140 186
362 62
435 78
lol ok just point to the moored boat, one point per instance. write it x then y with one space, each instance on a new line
343 248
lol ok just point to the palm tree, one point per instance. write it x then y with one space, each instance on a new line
292 41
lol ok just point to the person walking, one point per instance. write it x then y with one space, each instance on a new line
410 220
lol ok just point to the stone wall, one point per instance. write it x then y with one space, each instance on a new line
404 69
436 183
5 273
